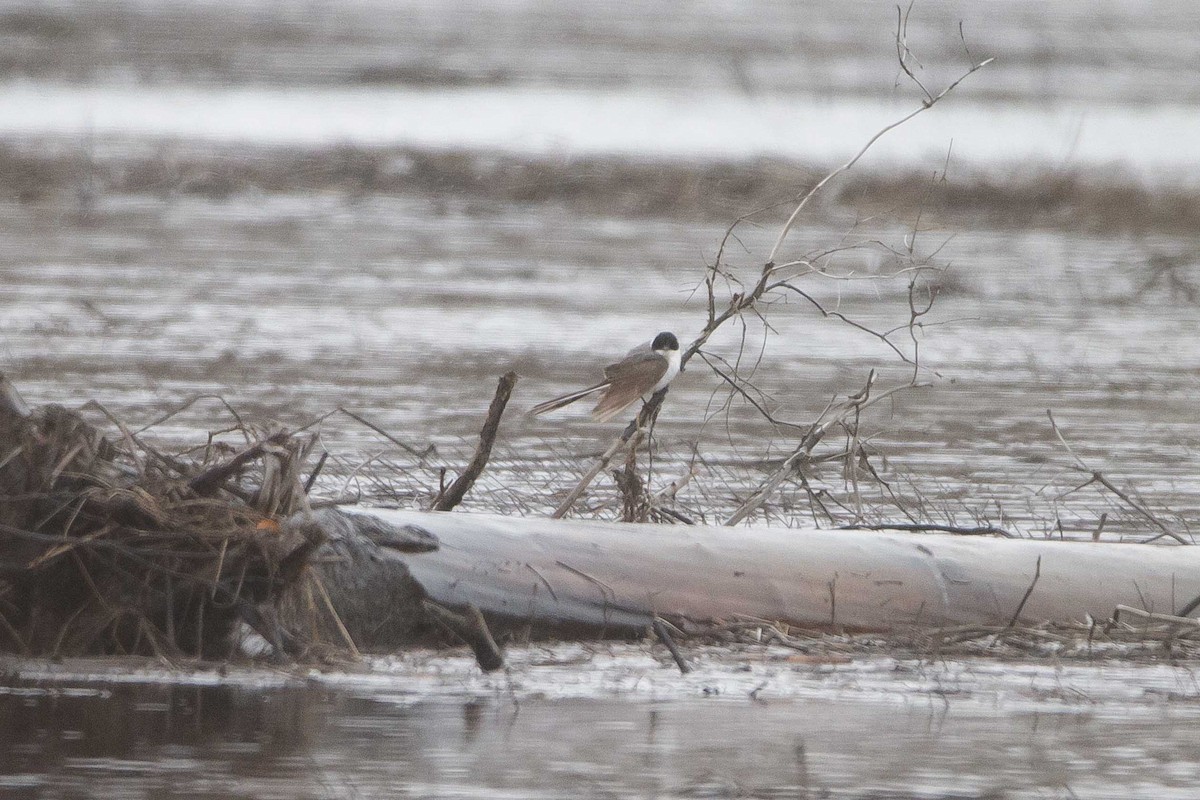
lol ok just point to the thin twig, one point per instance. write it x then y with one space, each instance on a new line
312 477
664 636
337 620
1037 573
422 454
923 527
239 427
645 417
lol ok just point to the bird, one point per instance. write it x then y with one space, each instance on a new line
644 370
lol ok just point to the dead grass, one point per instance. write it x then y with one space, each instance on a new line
1120 636
706 191
1097 202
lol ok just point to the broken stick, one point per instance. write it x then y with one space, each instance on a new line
462 484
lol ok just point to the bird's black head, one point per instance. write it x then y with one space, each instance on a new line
665 341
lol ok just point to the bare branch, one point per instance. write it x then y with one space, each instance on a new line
852 405
644 419
930 100
487 437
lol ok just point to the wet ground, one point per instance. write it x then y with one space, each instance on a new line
297 207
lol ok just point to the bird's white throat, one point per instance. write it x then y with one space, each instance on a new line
672 357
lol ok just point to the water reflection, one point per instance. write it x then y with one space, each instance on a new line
139 740
153 740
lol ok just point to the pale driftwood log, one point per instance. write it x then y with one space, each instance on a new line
557 574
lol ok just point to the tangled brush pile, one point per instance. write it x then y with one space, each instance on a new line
110 547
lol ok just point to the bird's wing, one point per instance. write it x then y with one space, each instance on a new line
638 359
627 381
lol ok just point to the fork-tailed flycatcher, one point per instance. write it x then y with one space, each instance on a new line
643 371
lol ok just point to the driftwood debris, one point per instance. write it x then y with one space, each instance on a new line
111 547
107 546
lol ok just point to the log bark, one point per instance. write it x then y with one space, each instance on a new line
613 578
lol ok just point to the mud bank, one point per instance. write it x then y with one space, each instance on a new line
1081 198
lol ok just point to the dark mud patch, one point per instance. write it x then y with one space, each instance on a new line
1103 201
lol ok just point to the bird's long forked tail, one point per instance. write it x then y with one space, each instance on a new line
566 399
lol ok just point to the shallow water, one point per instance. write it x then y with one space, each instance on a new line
406 311
406 304
607 723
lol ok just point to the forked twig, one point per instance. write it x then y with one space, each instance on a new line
1098 477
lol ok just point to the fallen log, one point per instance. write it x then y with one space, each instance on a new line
613 578
108 546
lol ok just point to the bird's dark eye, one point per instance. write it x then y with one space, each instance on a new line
665 341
